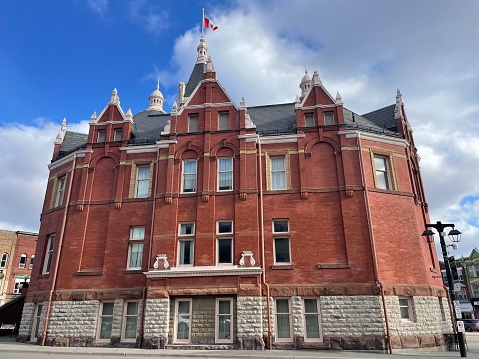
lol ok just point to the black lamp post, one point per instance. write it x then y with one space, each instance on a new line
455 236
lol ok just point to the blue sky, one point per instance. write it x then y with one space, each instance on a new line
62 58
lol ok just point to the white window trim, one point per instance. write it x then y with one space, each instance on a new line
48 254
24 264
306 339
137 180
99 321
134 241
274 251
218 230
61 184
36 320
4 259
186 239
186 235
32 259
410 309
290 339
218 174
123 324
280 220
183 176
388 171
175 330
283 171
217 315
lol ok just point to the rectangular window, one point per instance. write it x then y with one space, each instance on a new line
186 244
405 308
36 322
225 174
278 173
130 321
381 166
23 261
309 120
32 258
3 261
225 250
223 120
60 191
118 134
135 248
471 271
224 227
281 226
142 181
193 123
282 251
48 254
283 320
101 136
16 289
311 320
182 321
189 176
329 118
224 320
105 322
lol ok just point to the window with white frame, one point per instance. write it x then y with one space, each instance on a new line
381 167
130 321
18 281
48 254
223 120
60 191
224 242
101 136
4 260
405 308
283 320
189 176
225 174
23 260
186 244
36 322
117 134
105 321
32 258
135 248
182 330
224 320
281 242
278 173
193 123
309 119
311 319
329 118
142 181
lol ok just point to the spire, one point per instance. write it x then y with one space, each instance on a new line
61 133
316 79
202 49
209 65
156 99
339 100
114 97
399 104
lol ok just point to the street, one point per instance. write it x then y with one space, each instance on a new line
12 350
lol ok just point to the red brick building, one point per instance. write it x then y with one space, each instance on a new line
17 254
293 225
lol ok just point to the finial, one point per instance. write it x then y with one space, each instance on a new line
114 97
175 107
209 65
296 100
242 102
399 103
316 79
158 84
61 133
93 117
128 113
339 100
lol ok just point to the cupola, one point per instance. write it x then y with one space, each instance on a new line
156 99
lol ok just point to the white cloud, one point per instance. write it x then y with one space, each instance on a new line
98 6
149 17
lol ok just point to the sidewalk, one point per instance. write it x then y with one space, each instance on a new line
8 345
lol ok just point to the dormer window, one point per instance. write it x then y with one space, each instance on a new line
118 134
101 136
329 118
309 120
193 123
223 120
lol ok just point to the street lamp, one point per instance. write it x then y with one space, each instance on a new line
455 236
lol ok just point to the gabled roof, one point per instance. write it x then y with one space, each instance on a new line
383 117
195 78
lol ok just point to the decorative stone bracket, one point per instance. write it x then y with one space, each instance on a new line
249 254
163 257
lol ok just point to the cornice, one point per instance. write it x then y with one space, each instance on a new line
68 158
375 137
204 271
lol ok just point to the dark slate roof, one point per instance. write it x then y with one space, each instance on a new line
72 140
364 124
148 125
195 78
384 117
274 119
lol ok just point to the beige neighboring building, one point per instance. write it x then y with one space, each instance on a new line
17 254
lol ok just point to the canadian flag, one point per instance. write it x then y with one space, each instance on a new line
209 24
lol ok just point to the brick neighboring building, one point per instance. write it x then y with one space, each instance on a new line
17 254
293 225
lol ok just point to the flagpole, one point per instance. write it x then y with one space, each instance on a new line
203 23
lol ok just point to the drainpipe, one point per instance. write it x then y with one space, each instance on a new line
60 243
261 216
371 239
152 226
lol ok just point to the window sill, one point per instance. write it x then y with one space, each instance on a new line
41 276
133 271
89 273
333 266
283 266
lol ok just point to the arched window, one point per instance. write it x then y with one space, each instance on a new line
31 261
4 260
23 261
